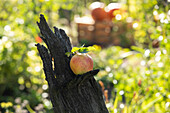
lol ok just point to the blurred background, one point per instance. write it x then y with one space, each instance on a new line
132 41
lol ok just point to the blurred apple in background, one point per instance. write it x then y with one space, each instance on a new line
113 9
97 11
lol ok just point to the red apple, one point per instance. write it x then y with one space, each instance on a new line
81 63
99 14
111 13
111 8
97 11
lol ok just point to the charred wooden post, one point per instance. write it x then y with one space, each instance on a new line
69 93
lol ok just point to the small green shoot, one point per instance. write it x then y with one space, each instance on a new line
81 49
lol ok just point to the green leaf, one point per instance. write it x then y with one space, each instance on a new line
115 103
68 53
147 105
83 50
137 49
91 48
74 49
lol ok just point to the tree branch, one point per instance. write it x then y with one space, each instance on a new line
80 79
69 93
58 44
47 63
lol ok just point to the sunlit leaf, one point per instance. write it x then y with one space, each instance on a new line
115 103
74 49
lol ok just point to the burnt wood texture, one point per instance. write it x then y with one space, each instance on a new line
69 93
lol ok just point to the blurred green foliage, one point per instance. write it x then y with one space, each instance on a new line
137 78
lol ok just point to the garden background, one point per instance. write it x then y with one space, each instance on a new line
134 78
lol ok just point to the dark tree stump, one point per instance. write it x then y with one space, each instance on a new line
69 93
